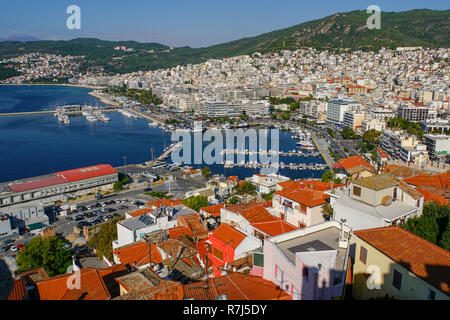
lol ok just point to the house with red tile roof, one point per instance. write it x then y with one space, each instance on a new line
257 221
136 255
211 211
439 184
300 208
375 201
267 183
85 284
235 286
408 267
147 285
227 244
19 290
193 222
356 167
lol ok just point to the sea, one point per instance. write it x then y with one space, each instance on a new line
36 145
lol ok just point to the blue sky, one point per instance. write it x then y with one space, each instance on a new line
194 23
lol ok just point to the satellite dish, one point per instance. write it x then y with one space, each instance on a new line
386 201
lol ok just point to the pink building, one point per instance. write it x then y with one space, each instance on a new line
309 263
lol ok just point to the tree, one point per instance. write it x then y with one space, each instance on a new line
327 209
268 196
102 239
433 225
245 188
123 179
51 253
233 200
348 133
372 136
327 176
206 172
196 202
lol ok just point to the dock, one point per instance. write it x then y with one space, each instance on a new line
145 116
322 150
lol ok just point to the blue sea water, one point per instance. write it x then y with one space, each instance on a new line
38 144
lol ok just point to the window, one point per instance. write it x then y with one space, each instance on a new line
357 191
395 194
363 255
258 259
305 273
431 294
218 254
303 209
397 281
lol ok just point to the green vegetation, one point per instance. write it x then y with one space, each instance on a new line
348 133
403 124
171 121
206 172
146 97
123 179
245 188
102 240
327 209
372 136
433 225
233 200
340 30
328 176
6 73
51 253
158 194
268 196
331 132
195 203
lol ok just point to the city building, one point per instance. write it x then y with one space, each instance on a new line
59 185
336 110
400 264
309 263
375 201
437 144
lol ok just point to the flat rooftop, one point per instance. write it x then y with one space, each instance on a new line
377 182
322 240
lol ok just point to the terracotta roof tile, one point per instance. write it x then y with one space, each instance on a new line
213 210
140 212
354 161
92 287
309 198
137 253
421 257
274 228
229 235
237 286
164 203
19 290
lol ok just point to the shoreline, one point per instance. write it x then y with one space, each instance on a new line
51 84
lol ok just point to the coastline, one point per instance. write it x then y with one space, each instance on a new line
97 96
51 84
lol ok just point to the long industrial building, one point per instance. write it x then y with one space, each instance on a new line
59 185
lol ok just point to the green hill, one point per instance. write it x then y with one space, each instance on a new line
427 28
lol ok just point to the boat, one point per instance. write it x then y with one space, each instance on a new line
198 127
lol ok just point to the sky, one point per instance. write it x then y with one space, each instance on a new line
194 23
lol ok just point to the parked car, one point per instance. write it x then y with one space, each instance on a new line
69 219
14 249
123 207
9 241
5 248
20 246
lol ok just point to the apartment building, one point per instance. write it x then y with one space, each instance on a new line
375 201
353 120
336 110
437 144
413 113
309 263
373 124
412 269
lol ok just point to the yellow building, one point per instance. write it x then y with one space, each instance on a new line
394 262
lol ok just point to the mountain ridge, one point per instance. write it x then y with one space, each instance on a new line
347 30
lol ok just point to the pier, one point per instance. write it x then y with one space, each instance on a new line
321 147
145 116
